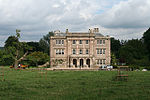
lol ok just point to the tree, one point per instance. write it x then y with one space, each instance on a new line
37 58
35 46
115 46
113 60
146 38
17 50
132 51
44 42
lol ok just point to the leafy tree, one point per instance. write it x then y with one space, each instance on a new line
5 58
132 51
1 58
44 42
35 46
12 41
17 50
37 58
113 60
115 46
146 38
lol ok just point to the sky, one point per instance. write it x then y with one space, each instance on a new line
121 19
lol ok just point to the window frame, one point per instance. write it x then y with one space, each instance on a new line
74 51
80 41
74 42
80 51
86 42
87 51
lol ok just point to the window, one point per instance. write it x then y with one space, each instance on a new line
80 51
57 51
103 61
97 51
100 42
87 41
97 41
100 51
59 41
62 52
74 42
87 51
62 41
100 61
104 51
103 41
80 42
56 41
73 51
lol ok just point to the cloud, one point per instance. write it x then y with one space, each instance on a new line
122 19
127 14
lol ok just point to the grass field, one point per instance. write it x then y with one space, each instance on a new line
72 85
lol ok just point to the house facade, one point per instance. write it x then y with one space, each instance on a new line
79 50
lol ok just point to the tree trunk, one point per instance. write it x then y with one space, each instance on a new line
18 60
16 63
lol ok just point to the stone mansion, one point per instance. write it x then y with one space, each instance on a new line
79 50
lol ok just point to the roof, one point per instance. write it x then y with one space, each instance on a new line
78 34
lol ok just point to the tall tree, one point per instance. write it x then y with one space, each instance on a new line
35 46
132 51
17 50
44 42
146 38
115 46
37 58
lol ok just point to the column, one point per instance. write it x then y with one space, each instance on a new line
78 63
71 63
84 62
91 62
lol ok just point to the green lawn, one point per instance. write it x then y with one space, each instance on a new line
73 85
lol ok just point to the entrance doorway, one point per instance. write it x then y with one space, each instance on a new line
75 62
81 62
88 62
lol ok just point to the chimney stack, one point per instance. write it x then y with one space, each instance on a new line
96 30
67 31
90 31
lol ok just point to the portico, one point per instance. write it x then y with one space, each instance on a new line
80 63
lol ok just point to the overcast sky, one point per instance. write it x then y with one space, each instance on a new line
122 19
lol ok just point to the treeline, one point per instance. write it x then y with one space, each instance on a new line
27 53
135 52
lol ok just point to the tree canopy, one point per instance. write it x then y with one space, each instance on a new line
146 38
44 42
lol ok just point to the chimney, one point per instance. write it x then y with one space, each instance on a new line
96 30
67 31
90 31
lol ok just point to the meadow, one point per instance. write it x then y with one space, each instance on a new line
72 85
